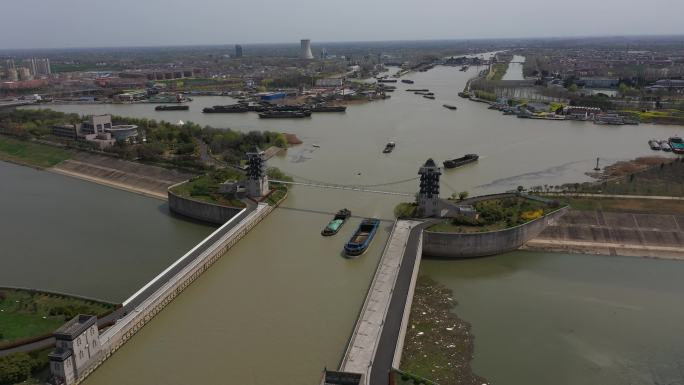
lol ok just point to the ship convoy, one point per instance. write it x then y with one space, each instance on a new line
674 144
360 239
267 111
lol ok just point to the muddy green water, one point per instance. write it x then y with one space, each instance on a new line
570 319
77 237
281 305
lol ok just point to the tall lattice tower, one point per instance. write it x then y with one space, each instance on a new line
257 180
428 196
305 49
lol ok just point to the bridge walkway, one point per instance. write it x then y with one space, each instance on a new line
371 349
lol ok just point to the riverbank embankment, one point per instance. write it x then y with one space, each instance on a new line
614 233
135 177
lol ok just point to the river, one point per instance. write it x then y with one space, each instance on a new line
280 306
515 69
570 319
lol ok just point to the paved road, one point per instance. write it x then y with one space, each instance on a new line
382 363
583 195
133 302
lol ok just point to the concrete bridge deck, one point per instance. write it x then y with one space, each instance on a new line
372 346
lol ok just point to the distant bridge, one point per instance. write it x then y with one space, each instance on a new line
343 187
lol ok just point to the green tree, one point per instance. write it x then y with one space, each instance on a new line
463 195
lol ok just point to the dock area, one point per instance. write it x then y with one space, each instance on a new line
377 333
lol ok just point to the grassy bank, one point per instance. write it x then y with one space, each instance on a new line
498 71
646 206
657 116
495 214
26 314
664 177
24 368
439 345
206 187
30 153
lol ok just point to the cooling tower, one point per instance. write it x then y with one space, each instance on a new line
305 51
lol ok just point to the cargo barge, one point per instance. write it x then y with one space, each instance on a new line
677 144
233 108
284 114
171 108
362 238
336 223
458 162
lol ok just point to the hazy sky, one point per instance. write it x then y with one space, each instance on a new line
95 23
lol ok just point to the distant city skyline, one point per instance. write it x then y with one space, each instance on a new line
97 23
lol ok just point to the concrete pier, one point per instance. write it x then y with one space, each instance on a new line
371 348
153 297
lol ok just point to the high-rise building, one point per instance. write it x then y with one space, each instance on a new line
24 73
43 67
31 65
238 50
12 74
305 50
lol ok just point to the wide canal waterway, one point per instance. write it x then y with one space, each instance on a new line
77 237
281 305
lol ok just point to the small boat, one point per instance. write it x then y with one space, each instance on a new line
449 106
407 81
336 223
465 95
171 108
315 145
676 144
362 238
458 162
417 90
387 80
429 97
665 146
654 144
389 147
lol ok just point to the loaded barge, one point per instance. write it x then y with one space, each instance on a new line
171 108
362 238
336 223
462 161
285 114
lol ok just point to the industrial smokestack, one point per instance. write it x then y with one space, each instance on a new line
305 50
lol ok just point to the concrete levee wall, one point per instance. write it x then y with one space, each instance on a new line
117 335
467 245
203 211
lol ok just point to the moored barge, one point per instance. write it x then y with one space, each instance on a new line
172 108
284 114
677 144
